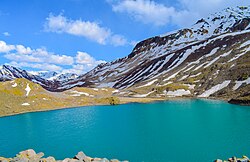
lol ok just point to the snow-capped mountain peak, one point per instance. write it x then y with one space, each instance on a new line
203 59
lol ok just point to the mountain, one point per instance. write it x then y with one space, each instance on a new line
51 81
44 74
208 59
8 73
211 58
52 75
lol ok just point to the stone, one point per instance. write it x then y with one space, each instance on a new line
74 160
218 160
27 153
50 159
40 155
97 159
31 156
104 160
4 159
87 159
66 160
114 160
80 156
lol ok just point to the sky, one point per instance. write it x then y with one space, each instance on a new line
77 35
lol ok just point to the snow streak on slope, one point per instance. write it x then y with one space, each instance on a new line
215 89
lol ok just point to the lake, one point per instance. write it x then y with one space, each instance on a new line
191 130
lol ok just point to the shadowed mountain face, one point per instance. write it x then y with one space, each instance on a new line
208 59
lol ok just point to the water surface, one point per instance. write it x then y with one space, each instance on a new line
192 130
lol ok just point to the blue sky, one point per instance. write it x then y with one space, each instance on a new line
76 35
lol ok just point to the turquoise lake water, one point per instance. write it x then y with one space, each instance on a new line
192 130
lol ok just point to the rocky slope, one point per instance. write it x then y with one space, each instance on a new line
208 59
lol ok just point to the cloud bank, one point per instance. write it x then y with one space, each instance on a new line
41 59
89 30
158 14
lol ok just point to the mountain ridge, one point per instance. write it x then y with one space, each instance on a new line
187 62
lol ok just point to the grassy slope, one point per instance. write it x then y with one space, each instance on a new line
12 98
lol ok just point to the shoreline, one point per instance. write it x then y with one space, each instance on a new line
124 100
145 100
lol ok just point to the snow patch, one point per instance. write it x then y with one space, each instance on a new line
115 91
143 95
14 85
190 86
104 89
237 56
245 44
25 104
239 83
179 92
167 83
214 89
27 89
184 77
213 52
77 93
192 76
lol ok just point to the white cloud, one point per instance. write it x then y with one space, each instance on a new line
194 10
23 50
146 11
188 11
18 57
41 59
76 69
7 34
4 48
20 53
38 58
84 63
85 58
118 40
39 66
90 30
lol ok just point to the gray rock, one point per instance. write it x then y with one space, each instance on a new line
114 160
50 159
104 160
40 155
218 160
28 153
80 156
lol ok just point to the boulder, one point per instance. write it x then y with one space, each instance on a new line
80 156
114 160
104 160
218 160
27 153
50 159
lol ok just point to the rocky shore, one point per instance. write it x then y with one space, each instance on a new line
239 102
234 159
31 156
